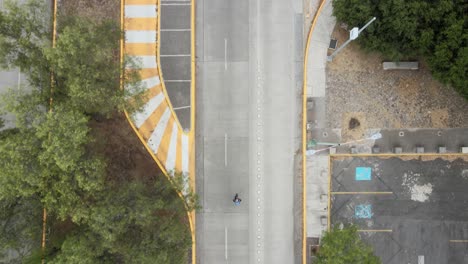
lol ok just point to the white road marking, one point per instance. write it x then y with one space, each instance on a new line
177 80
140 117
185 154
158 133
225 149
140 11
181 107
225 243
148 83
171 152
140 36
145 62
420 259
225 54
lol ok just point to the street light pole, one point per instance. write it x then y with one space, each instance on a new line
353 34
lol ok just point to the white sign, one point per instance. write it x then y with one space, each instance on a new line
354 33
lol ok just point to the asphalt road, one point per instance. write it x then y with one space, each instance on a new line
425 214
248 129
175 56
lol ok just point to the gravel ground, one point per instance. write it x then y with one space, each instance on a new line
357 86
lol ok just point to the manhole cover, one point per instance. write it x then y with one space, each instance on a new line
353 123
333 43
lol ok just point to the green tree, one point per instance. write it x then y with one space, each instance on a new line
343 246
127 223
436 31
20 228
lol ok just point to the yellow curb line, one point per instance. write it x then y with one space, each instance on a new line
304 137
336 193
192 129
163 169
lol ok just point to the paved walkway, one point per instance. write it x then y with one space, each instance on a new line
317 166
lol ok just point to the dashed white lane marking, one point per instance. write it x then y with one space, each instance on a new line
140 11
225 149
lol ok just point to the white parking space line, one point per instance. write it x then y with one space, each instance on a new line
181 107
140 36
140 11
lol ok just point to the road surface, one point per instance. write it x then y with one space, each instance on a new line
249 72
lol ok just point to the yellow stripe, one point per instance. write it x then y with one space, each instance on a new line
150 124
165 141
140 23
361 193
140 2
178 163
458 241
145 73
140 49
148 73
192 132
152 92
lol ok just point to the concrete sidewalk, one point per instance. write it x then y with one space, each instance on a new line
318 47
317 166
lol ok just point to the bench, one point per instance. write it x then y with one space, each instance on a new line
402 65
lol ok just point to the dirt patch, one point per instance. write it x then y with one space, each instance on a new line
356 82
126 156
353 125
96 10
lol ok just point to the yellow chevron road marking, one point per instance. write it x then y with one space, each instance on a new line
140 23
150 124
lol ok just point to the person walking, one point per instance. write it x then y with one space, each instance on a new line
236 199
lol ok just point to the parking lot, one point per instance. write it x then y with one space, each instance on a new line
410 209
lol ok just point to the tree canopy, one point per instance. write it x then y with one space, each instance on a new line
50 159
343 246
434 30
